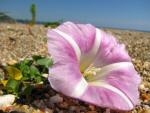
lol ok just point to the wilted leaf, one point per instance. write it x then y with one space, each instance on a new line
14 72
4 82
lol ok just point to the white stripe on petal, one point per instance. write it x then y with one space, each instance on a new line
71 42
87 59
112 67
97 42
114 89
80 88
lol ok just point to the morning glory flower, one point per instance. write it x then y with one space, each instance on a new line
92 66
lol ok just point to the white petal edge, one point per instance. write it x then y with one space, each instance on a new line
109 68
6 100
87 59
71 41
113 89
97 42
80 88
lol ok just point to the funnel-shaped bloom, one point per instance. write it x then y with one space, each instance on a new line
91 66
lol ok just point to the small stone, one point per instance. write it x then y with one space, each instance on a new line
146 111
61 111
48 110
92 112
56 99
64 105
146 97
46 95
92 107
25 106
83 108
1 92
38 103
72 108
12 62
7 100
142 87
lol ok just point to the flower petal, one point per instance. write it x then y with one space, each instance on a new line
115 86
65 78
65 73
110 51
87 38
104 97
84 35
60 48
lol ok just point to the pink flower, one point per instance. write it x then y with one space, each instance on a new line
91 66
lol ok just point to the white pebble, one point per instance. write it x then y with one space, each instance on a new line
6 100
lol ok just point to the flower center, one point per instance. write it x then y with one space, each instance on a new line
90 73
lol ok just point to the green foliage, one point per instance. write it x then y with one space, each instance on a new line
23 76
1 77
33 12
12 86
45 62
52 24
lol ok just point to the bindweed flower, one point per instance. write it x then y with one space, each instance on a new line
92 66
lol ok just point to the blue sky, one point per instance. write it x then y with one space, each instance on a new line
131 14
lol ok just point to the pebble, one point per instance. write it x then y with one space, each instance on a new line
63 105
48 110
92 107
56 99
146 111
92 112
72 108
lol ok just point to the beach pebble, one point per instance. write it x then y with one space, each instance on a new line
6 100
72 108
56 99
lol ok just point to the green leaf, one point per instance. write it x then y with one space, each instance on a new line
25 69
27 62
31 71
34 71
46 62
38 79
12 86
1 77
27 89
36 57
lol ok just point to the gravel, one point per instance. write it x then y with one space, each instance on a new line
18 41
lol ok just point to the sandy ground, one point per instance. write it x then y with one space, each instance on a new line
18 41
